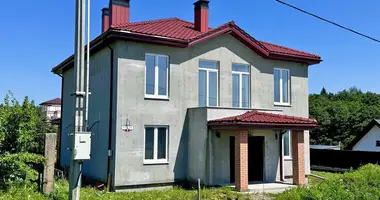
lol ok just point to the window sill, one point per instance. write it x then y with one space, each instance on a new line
153 97
288 159
155 162
283 104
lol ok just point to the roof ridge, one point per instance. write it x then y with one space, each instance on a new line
144 22
288 48
212 30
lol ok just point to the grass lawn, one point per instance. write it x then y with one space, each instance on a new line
326 175
61 193
363 184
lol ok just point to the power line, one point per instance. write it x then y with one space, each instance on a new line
328 21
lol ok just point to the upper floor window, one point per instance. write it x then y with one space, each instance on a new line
156 144
208 85
156 76
287 143
240 86
281 86
377 143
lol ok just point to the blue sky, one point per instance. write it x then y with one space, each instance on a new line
37 35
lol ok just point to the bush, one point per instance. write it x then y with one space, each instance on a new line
361 184
19 169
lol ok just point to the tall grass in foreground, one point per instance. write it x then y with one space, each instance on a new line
363 184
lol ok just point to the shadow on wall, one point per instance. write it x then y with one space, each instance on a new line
181 162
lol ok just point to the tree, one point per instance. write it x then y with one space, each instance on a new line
343 115
22 129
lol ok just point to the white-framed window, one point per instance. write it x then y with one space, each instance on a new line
156 76
281 86
208 83
287 145
156 144
240 86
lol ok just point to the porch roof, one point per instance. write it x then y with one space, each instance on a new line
258 119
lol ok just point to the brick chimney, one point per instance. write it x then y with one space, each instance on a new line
116 13
119 12
201 15
105 19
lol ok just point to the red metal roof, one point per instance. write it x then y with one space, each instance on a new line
56 101
183 30
265 119
180 33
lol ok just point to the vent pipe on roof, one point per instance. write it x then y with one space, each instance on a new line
201 15
119 12
105 19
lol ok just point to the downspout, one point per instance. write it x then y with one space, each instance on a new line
109 176
60 125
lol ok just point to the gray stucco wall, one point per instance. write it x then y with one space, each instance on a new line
96 167
67 117
185 144
183 92
221 159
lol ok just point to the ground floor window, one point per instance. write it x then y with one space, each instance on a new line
287 145
156 144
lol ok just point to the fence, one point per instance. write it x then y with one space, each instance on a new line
341 159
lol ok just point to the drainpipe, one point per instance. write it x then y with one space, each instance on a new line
109 175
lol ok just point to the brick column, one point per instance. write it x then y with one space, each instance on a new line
298 154
241 160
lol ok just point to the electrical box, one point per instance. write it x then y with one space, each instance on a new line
82 147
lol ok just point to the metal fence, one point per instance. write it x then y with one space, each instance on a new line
341 159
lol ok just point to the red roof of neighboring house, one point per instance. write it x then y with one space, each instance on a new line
56 101
181 33
257 118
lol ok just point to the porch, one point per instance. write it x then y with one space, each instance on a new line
255 148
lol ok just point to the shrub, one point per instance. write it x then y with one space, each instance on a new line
361 184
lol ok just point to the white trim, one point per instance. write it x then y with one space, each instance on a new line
155 160
208 70
156 77
282 103
241 85
289 157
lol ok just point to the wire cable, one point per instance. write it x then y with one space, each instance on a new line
328 21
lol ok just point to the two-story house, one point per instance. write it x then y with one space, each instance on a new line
51 109
208 103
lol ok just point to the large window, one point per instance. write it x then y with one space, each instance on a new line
156 144
156 76
240 86
281 86
208 87
287 145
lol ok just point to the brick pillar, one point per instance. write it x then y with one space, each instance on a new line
298 157
241 160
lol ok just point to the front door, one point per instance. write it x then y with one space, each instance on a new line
255 159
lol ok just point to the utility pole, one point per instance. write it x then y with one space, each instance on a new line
81 140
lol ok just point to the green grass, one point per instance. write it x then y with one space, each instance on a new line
326 175
61 193
362 184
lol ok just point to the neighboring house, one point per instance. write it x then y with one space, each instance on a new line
208 103
52 109
325 147
369 139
